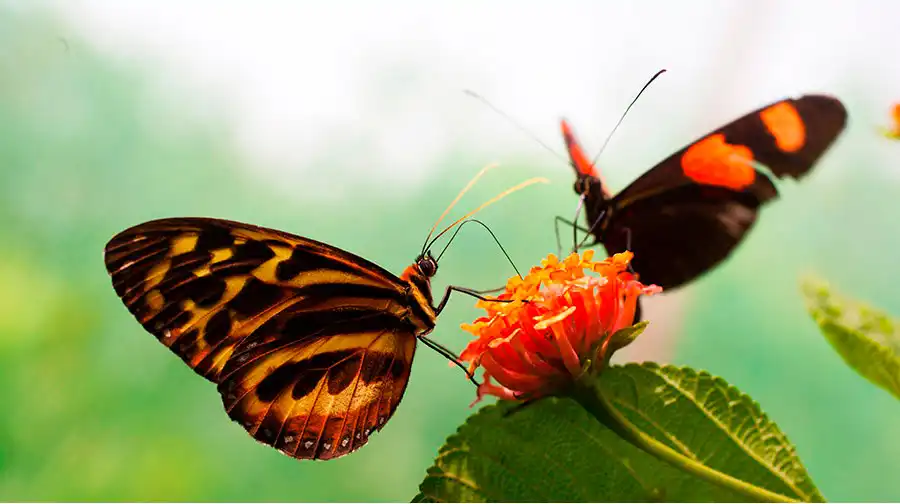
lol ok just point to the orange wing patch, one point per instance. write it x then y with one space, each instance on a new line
712 161
581 163
785 124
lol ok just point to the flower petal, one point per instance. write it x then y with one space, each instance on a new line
558 314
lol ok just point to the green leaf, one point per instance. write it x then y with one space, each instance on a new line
624 337
552 450
867 339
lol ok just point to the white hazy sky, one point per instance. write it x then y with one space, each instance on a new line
383 80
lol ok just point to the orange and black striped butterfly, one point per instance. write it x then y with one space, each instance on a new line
310 346
686 215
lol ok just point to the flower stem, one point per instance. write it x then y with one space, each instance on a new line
590 397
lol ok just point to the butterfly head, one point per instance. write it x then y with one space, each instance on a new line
583 184
427 264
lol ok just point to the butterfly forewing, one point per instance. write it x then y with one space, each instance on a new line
580 162
787 137
308 343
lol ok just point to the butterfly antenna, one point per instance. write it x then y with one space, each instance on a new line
657 74
485 226
521 128
488 203
456 200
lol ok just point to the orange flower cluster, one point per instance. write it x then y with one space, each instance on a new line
563 314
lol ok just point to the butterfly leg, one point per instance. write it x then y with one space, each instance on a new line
627 231
491 291
444 351
448 354
638 313
575 228
475 294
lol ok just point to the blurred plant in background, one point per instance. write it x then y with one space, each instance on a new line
893 132
96 410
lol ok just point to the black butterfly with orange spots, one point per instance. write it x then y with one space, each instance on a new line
688 213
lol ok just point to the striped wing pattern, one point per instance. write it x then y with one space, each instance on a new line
310 345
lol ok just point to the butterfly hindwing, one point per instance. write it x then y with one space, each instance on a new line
679 234
303 338
322 396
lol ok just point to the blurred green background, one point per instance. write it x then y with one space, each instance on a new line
97 135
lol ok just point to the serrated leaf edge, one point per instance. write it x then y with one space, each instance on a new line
453 443
762 423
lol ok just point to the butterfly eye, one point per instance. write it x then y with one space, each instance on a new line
428 266
582 185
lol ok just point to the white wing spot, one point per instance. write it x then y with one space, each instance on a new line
288 439
308 444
